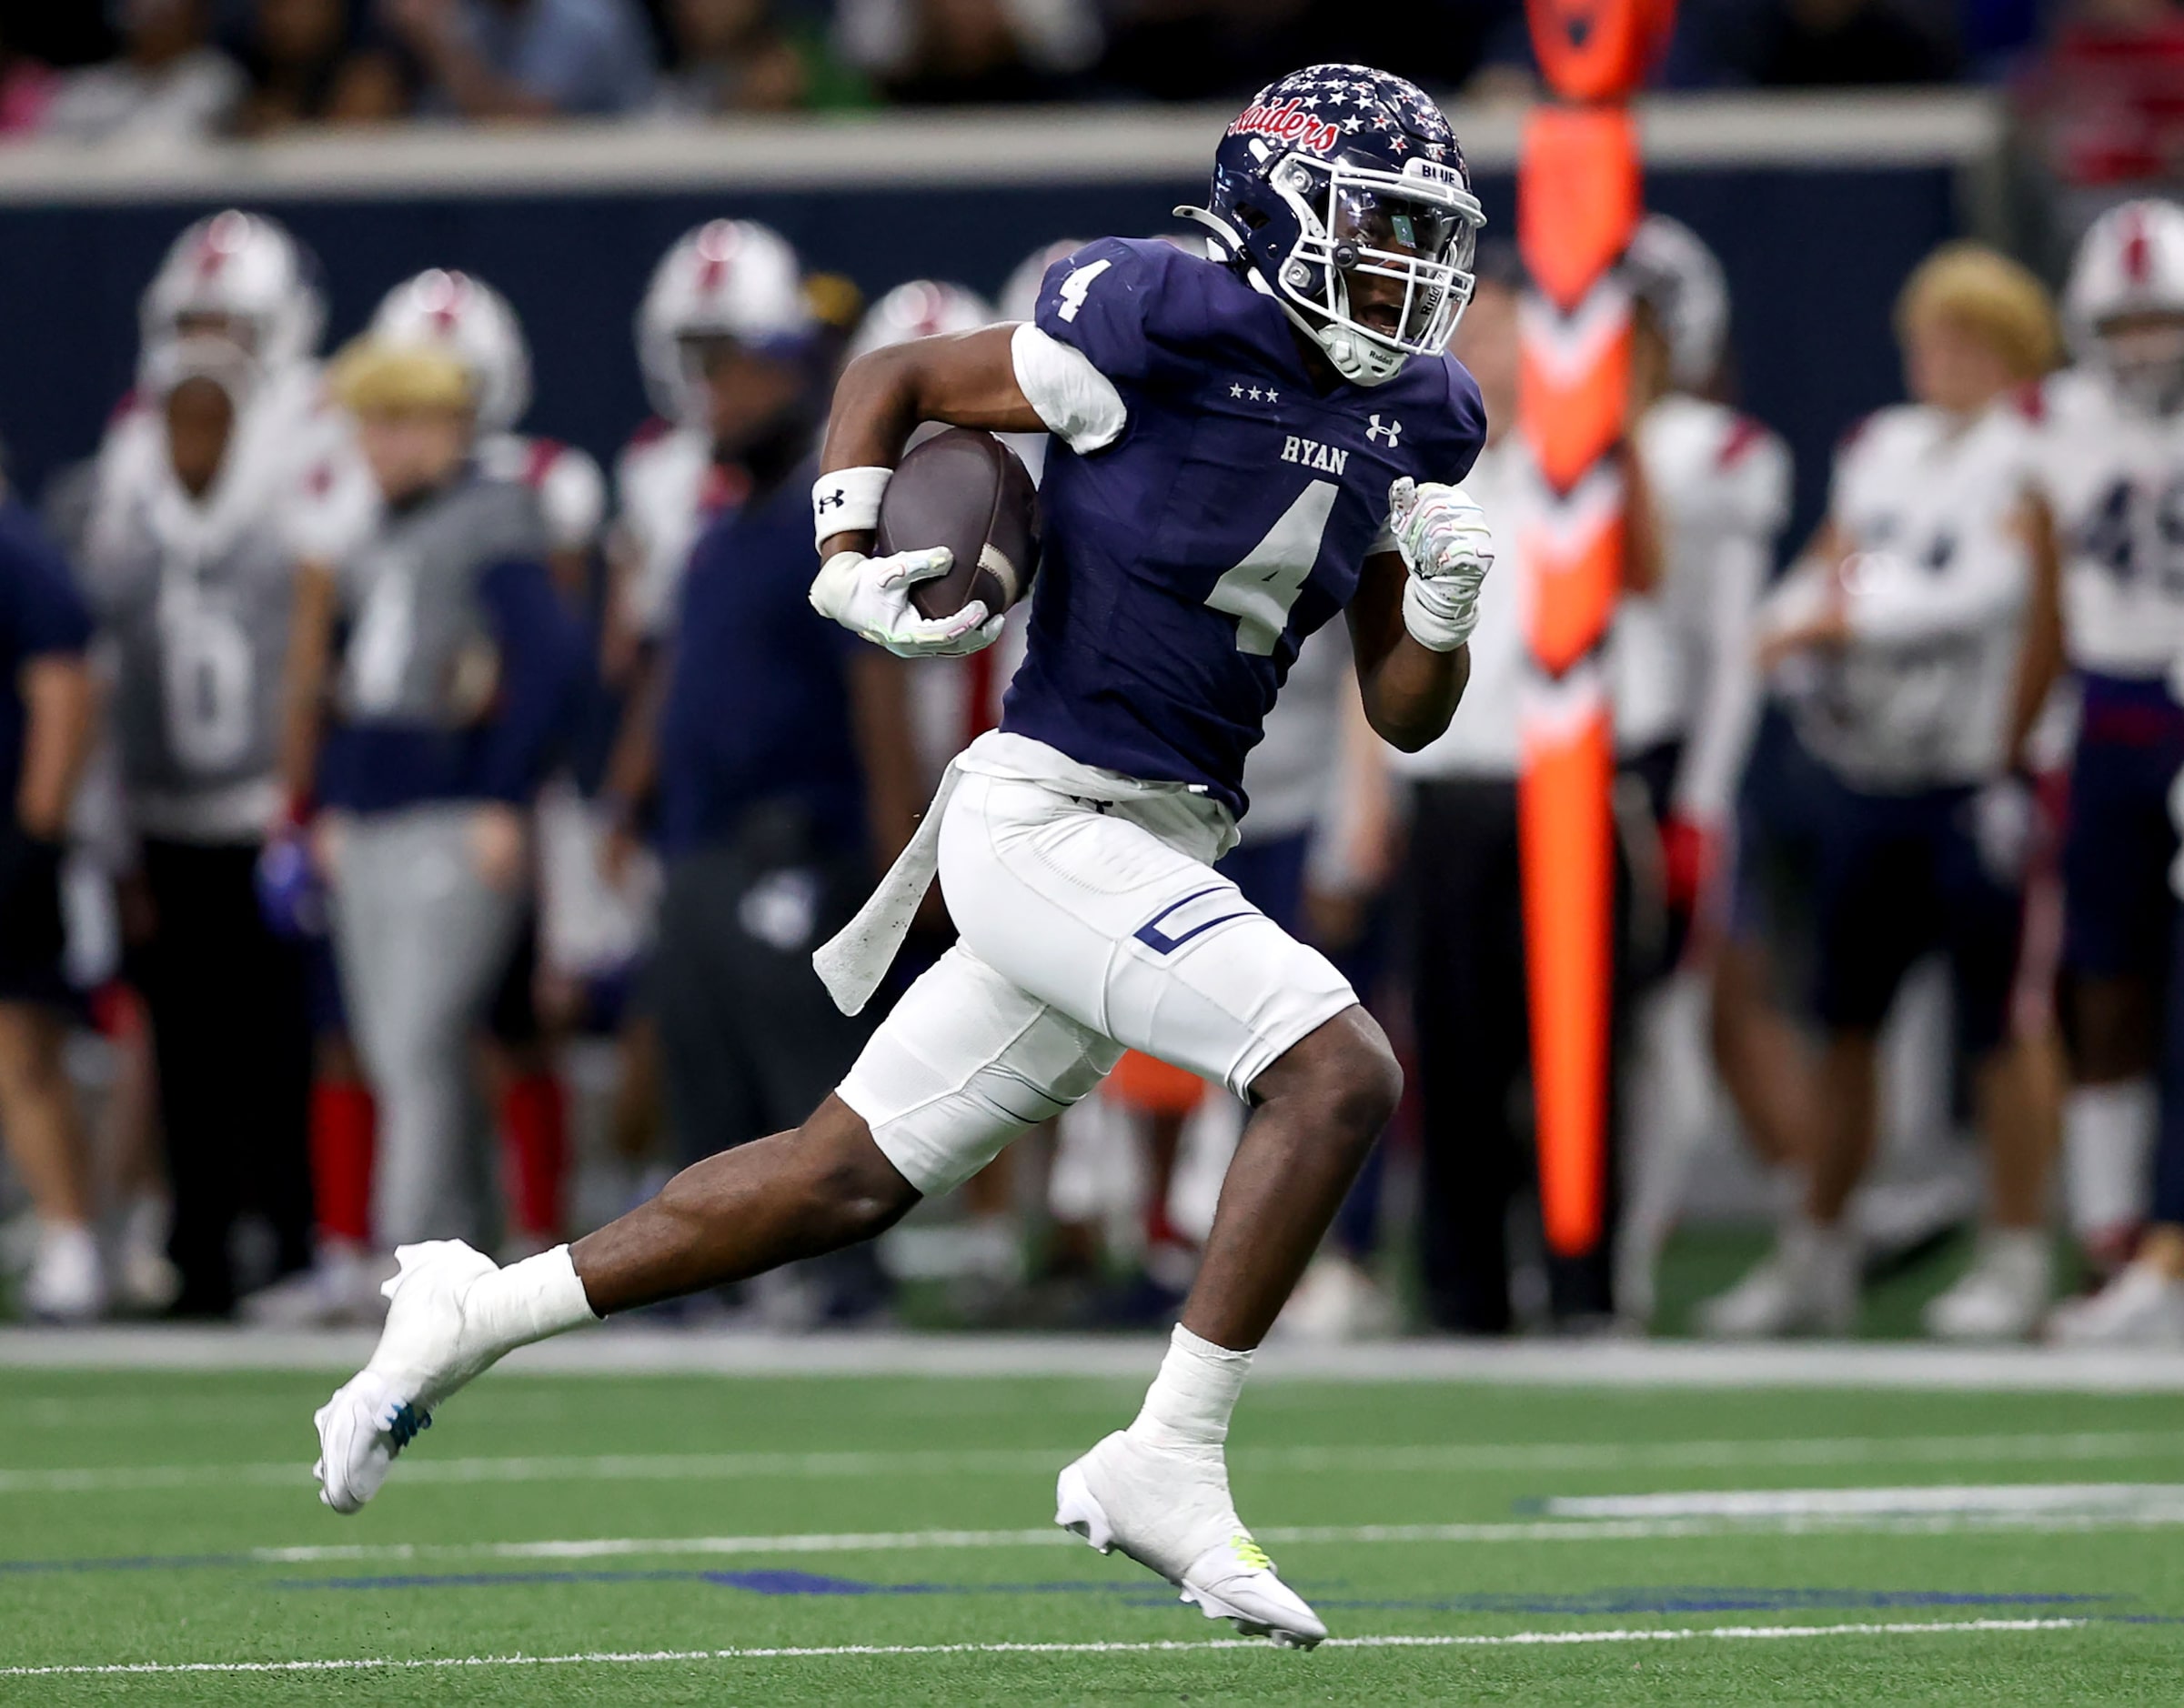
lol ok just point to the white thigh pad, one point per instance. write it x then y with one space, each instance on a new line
1110 913
964 1064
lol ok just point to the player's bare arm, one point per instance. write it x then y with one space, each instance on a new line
964 379
959 379
1410 691
304 679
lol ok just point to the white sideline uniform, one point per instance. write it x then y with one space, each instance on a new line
2109 474
1091 921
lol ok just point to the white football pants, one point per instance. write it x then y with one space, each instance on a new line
1086 927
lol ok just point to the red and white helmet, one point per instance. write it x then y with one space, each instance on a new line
731 278
922 308
472 322
1020 296
2130 264
1669 268
245 271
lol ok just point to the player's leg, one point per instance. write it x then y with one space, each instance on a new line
2116 857
1110 913
1873 904
46 1144
961 1065
2006 1292
2143 1305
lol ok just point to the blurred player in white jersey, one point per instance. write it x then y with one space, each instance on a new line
1717 483
1912 603
2112 475
189 568
1686 686
189 559
2115 479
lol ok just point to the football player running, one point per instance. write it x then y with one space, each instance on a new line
1242 447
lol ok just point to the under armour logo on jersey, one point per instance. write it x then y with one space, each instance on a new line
1391 432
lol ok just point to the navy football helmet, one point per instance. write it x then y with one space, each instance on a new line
1342 194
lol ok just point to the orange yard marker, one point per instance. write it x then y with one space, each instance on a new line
1578 202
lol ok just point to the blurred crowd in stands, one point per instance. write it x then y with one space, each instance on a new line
168 68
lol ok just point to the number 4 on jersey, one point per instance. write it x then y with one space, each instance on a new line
1259 591
1076 285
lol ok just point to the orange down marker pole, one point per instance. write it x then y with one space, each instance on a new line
1578 202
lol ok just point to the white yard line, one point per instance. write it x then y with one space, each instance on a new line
1519 1531
1455 1459
635 1350
1504 1640
2091 1500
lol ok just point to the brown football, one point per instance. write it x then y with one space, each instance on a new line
966 490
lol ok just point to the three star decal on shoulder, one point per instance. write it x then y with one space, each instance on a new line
1257 394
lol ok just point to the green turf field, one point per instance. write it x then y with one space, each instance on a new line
889 1534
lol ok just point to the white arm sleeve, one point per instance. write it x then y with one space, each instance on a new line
1721 730
1079 404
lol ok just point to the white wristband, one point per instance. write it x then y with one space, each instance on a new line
847 502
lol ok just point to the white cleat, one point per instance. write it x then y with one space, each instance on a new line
2141 1307
1170 1510
1808 1285
2002 1296
428 1351
67 1280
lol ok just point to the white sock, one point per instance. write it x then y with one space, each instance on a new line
1190 1401
2108 1152
531 1300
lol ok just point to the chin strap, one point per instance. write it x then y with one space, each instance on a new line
1224 234
1352 355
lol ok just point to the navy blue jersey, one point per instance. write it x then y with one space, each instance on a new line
41 616
758 706
1185 561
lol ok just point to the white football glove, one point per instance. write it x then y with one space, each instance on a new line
1448 549
870 596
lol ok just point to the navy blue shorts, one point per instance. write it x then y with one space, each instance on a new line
1900 876
1778 822
32 937
2117 904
